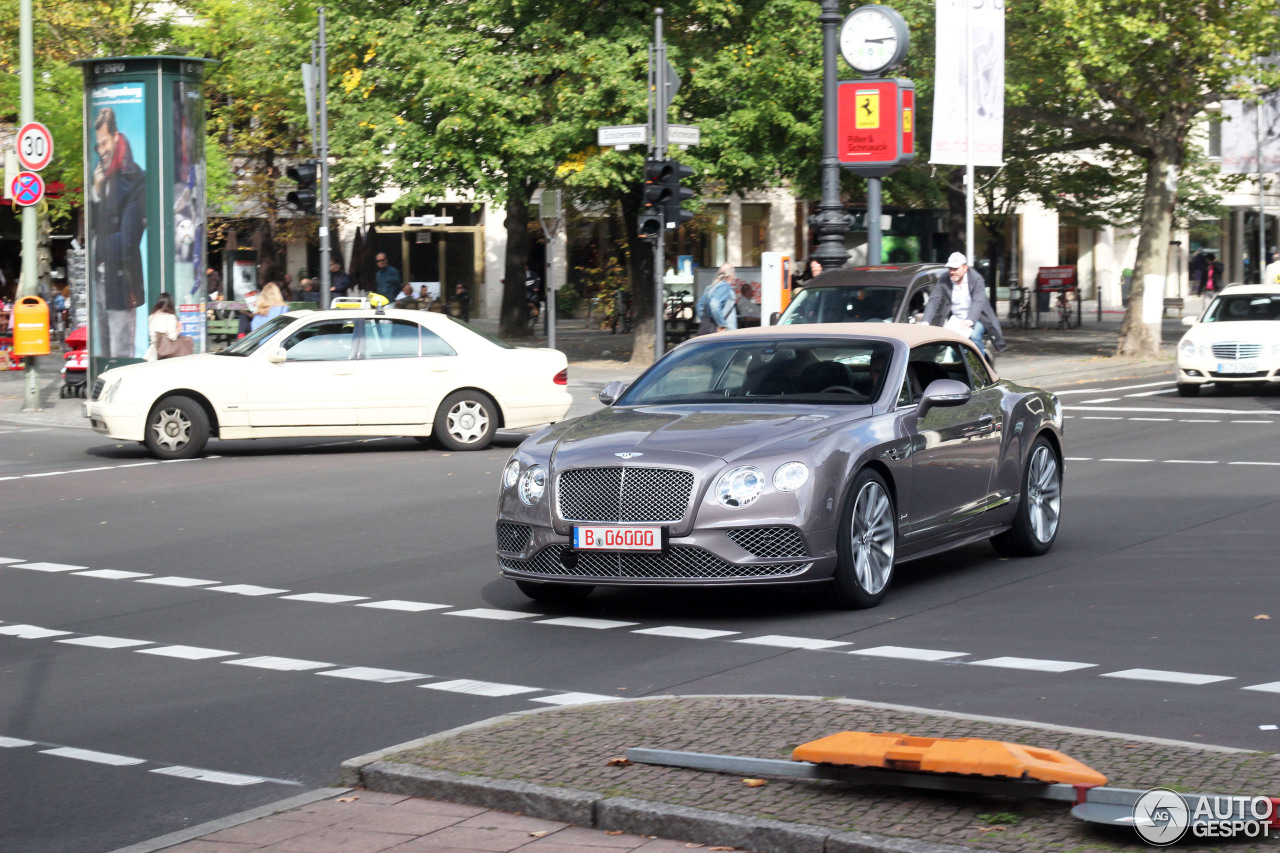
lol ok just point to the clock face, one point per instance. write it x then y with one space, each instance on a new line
871 40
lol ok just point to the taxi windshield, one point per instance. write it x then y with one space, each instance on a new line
250 342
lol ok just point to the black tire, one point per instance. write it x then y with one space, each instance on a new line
1186 389
867 545
424 440
555 593
177 428
1036 522
466 420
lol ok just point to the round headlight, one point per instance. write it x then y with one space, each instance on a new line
533 483
790 476
511 474
1187 349
740 486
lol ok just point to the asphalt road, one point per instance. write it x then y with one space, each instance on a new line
182 641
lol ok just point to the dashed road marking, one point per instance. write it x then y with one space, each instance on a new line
1191 461
1167 676
907 653
489 613
49 567
15 742
100 642
580 622
323 598
94 756
31 632
171 580
186 652
112 574
406 606
215 776
685 633
1065 392
279 664
1032 664
1269 687
370 673
784 642
1116 459
480 688
246 589
565 699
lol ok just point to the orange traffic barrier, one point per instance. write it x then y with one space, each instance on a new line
969 756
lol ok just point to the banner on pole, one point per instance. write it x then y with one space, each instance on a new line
984 60
1240 134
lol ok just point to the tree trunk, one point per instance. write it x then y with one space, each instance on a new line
1140 333
640 272
512 319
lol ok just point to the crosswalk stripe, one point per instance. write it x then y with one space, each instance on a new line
112 574
100 642
323 598
368 673
1033 664
907 653
216 776
406 606
579 622
186 652
95 757
490 613
1167 676
279 664
565 699
480 688
246 589
784 642
685 633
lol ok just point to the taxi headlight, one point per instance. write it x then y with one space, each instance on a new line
1187 349
511 474
533 483
739 487
112 389
790 476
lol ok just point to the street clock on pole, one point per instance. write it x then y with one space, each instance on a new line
874 39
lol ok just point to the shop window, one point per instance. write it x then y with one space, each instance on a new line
755 225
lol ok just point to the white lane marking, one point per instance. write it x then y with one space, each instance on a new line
1252 422
480 688
49 567
216 776
1164 383
1079 459
137 464
907 653
10 742
1269 687
1102 400
1199 420
369 673
279 664
1157 420
4 561
1033 664
784 642
1253 463
174 580
323 598
31 632
407 606
579 622
488 613
95 757
1102 418
1114 459
98 641
187 652
576 699
1162 410
1167 676
1191 461
246 589
1156 393
112 574
685 633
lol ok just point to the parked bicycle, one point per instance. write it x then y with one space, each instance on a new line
1019 316
1067 318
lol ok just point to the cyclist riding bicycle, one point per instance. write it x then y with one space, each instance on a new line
959 301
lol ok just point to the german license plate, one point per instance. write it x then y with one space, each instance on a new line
1238 367
616 537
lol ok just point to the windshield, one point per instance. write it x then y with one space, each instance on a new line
1244 306
822 372
254 339
843 305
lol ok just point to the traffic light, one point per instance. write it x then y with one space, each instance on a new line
304 175
654 194
675 195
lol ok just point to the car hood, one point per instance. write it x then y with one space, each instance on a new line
667 433
166 366
1261 331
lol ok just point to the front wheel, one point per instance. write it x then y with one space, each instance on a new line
868 537
466 420
1035 526
1186 389
177 428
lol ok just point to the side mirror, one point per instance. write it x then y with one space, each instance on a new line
941 393
277 356
611 392
1189 320
773 318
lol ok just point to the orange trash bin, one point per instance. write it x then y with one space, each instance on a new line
30 326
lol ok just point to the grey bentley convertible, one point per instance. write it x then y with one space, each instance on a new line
792 454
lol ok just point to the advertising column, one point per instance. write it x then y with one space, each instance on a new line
144 199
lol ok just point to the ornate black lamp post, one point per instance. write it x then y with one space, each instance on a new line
831 222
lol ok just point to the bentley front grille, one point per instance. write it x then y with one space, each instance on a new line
624 494
1237 351
769 541
679 562
513 537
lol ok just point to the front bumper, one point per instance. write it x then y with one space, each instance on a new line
706 557
127 423
1201 371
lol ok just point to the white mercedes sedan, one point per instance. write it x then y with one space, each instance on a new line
1236 342
364 372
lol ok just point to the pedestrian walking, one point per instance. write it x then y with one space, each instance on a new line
270 304
163 321
717 308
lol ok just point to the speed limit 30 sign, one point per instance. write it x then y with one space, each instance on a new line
35 146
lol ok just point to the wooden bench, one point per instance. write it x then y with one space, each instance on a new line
1175 304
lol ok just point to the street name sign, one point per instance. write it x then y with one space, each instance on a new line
622 134
683 134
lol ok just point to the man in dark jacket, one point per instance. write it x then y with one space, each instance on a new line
961 294
339 281
119 219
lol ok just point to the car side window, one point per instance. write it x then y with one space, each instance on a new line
977 369
930 362
434 345
327 340
386 338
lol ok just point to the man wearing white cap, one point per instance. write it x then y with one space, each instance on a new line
959 301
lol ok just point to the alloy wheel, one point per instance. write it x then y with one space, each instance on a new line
1044 493
872 538
172 428
468 421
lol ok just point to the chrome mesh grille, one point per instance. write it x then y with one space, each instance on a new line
769 541
1234 350
513 537
98 385
624 494
677 563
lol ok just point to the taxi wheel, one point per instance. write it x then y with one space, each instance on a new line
1186 389
555 593
177 428
466 420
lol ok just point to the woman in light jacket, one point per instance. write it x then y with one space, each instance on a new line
270 304
163 321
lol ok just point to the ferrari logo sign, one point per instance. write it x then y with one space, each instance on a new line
867 114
